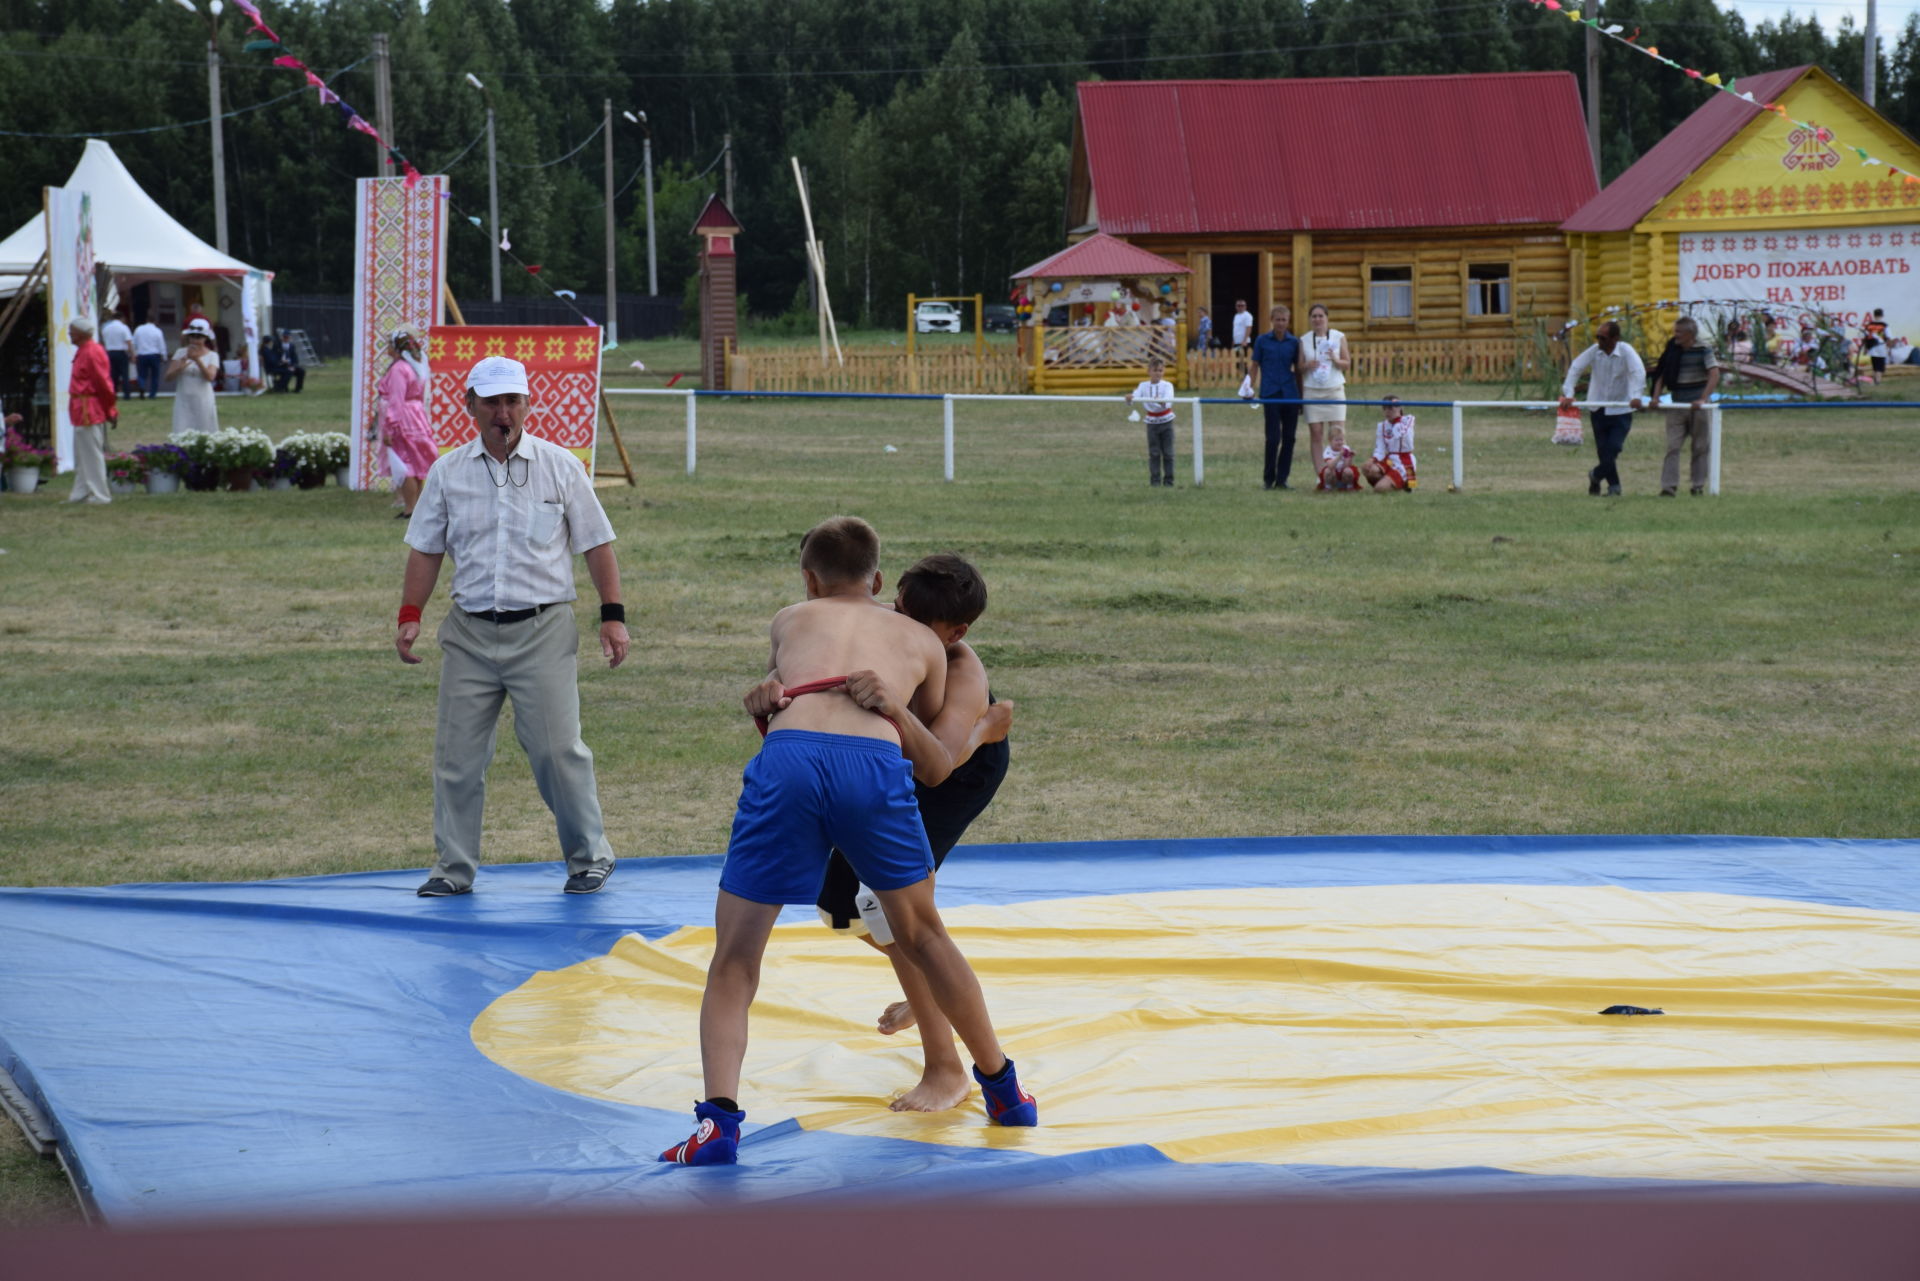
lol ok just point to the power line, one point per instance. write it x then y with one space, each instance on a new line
548 164
185 124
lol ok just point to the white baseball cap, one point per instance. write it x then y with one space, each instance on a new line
200 327
496 376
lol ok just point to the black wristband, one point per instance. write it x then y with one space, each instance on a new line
614 613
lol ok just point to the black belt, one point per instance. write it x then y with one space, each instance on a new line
506 615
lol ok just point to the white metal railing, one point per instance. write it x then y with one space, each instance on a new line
1195 406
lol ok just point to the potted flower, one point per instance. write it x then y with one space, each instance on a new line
125 472
240 455
163 466
203 470
312 457
285 468
339 458
24 463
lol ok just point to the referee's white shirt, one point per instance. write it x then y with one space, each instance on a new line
512 528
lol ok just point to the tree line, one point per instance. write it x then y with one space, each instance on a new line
935 134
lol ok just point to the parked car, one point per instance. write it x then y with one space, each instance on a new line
1000 317
936 318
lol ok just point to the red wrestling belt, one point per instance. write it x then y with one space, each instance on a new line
819 687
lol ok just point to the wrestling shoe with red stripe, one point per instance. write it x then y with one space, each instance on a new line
715 1141
1007 1103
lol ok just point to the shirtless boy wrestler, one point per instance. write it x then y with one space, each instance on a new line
958 763
831 773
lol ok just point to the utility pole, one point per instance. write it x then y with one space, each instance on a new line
219 140
613 297
653 272
383 100
1593 86
493 185
1869 74
727 150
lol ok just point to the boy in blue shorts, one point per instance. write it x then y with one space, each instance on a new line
831 774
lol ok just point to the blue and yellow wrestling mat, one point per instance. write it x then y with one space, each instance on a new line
1195 1017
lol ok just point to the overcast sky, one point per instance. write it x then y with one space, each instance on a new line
1891 15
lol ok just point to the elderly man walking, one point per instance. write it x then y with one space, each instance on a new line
1618 379
513 510
1690 374
92 404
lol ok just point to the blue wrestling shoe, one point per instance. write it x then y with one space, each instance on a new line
1007 1103
715 1141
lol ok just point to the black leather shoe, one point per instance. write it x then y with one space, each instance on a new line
441 887
1593 481
589 881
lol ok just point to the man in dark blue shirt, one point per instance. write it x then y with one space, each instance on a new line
1276 360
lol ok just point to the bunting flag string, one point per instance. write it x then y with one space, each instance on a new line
270 42
1612 30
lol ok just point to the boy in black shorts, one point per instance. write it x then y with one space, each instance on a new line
947 594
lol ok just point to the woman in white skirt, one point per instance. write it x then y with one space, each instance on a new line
1324 359
194 368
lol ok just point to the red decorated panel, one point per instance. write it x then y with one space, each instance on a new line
563 380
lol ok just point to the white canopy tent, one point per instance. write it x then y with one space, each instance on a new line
141 243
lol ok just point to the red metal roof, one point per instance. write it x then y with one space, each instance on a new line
716 214
1341 153
1632 195
1101 257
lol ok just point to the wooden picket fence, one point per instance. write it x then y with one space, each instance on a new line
887 369
1437 360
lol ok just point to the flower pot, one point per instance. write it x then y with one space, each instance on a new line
343 477
23 480
162 482
312 479
239 479
123 487
281 482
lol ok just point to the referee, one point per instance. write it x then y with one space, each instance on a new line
513 510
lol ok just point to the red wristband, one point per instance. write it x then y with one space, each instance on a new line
409 614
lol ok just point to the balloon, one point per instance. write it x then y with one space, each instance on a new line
1054 287
1166 289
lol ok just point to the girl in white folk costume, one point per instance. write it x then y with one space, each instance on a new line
1324 360
1392 464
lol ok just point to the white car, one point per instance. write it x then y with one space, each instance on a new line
936 318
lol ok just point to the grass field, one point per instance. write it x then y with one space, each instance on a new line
202 686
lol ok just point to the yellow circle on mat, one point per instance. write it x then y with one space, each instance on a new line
1415 1026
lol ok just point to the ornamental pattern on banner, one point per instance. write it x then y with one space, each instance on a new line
400 265
563 381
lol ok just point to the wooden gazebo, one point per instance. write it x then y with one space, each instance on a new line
1101 310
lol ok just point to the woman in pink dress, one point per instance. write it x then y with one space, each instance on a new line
404 426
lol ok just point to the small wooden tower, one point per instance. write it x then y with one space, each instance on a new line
719 291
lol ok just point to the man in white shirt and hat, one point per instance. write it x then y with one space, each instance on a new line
513 510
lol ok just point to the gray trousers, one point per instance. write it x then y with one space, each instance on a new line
1159 453
536 663
1682 423
90 465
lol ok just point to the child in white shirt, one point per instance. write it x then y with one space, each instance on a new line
1392 464
1156 406
1337 472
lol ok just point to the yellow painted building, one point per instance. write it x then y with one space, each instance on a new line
1738 204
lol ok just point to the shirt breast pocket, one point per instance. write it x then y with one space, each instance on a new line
544 523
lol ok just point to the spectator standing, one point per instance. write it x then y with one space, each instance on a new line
1616 376
1155 397
195 368
149 356
1874 342
1242 325
514 511
1324 358
404 428
1203 332
118 341
1690 373
92 406
1275 362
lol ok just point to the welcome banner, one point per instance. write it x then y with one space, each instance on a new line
1845 272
